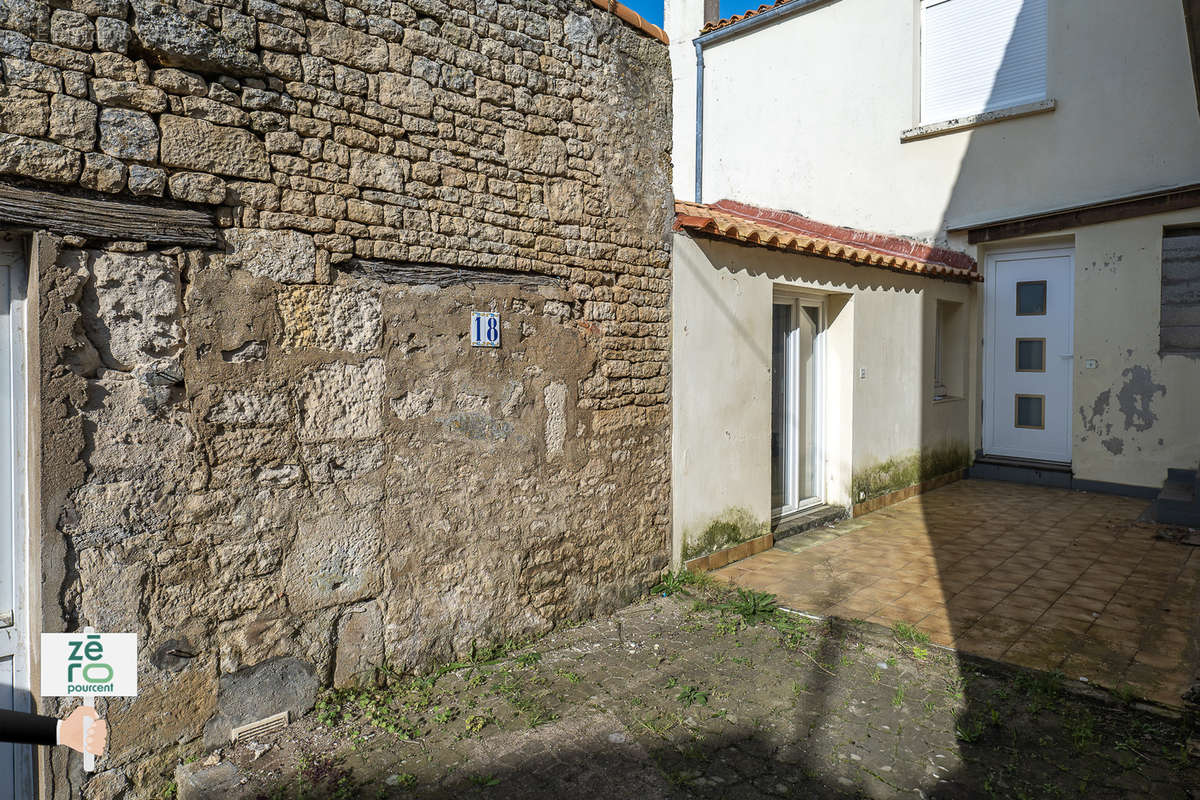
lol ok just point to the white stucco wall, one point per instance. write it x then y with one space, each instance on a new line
682 20
877 320
807 115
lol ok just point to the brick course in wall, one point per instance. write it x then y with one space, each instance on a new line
281 454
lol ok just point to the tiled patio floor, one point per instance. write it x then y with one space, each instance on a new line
1043 578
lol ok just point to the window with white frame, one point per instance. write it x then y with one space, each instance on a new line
981 55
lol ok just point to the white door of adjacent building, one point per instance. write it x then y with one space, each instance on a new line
16 761
1028 353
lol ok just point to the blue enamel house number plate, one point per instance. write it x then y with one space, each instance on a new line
485 329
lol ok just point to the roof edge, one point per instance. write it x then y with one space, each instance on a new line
763 14
784 230
632 19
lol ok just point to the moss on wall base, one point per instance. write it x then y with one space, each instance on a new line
902 472
732 526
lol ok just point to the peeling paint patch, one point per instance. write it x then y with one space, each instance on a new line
1099 407
1114 445
1135 397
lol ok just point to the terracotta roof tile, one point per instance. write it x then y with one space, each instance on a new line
725 23
632 19
783 230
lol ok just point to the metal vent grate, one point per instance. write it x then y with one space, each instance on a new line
275 722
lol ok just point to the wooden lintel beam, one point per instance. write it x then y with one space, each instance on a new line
38 209
1095 214
445 276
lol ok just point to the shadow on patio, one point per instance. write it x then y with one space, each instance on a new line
1043 578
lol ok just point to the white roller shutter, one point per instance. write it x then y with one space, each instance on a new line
981 55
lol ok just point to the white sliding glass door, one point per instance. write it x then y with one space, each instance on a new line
796 479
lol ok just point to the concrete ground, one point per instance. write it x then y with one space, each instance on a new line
707 693
1042 578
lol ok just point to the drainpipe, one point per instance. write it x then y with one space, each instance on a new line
742 26
699 117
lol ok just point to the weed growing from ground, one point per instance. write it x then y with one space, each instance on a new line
691 695
475 723
909 633
752 606
682 582
529 659
969 730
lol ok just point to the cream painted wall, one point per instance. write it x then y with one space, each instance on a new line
720 392
807 115
1118 269
894 410
877 319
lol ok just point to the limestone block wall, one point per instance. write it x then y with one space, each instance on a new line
279 455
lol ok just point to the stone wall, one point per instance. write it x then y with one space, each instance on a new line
280 457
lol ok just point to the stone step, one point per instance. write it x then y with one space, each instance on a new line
1178 491
1021 470
1174 474
1179 501
812 518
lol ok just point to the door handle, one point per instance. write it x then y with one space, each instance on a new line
1067 355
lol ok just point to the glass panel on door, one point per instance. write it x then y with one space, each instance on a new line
795 452
781 324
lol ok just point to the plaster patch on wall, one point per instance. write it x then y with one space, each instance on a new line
556 417
1135 396
478 426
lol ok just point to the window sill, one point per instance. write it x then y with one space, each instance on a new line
978 120
950 398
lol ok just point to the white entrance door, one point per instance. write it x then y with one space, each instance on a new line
1028 353
796 481
16 761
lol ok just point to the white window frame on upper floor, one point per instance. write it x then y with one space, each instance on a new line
957 86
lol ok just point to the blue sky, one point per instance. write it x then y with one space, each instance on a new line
653 9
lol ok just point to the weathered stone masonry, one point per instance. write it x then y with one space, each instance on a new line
276 452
